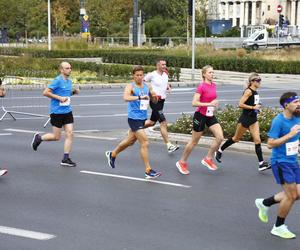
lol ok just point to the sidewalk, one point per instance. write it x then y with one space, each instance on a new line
248 147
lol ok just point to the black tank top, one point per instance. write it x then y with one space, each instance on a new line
251 102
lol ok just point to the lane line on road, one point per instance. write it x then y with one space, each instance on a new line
135 179
2 134
76 135
26 233
97 137
22 130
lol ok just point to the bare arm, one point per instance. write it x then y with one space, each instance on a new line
152 94
273 143
48 93
128 97
244 98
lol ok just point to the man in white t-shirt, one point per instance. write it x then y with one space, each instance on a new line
159 81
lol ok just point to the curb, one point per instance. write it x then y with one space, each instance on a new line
205 141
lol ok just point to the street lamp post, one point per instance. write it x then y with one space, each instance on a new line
49 26
193 42
135 23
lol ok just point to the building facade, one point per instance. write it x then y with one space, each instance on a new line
258 12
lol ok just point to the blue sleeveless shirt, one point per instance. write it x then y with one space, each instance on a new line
134 107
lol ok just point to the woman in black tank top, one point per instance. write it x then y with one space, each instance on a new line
250 105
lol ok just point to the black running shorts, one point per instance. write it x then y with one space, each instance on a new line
247 120
199 122
157 111
59 120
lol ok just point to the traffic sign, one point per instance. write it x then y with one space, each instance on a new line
279 8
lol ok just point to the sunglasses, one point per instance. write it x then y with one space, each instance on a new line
257 80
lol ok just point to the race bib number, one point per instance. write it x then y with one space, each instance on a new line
292 148
144 104
66 103
256 99
210 111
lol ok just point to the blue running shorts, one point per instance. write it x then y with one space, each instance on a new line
286 173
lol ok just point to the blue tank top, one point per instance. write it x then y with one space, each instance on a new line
136 109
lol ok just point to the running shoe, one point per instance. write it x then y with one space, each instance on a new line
36 141
282 232
218 156
264 166
172 148
262 210
182 167
110 159
3 172
68 163
152 174
209 164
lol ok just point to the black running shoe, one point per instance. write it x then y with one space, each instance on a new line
36 141
110 159
68 163
218 156
264 166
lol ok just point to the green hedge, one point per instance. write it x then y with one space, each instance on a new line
44 67
228 118
148 57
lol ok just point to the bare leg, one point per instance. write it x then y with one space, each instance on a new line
164 131
143 140
128 141
287 200
240 131
218 134
69 137
54 136
191 144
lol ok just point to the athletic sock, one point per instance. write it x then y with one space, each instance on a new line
258 152
228 143
279 221
268 202
39 138
169 144
66 156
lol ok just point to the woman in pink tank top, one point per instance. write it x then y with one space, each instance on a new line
205 99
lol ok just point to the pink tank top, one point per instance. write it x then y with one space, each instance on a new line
208 93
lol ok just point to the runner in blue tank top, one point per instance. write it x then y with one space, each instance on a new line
137 94
284 138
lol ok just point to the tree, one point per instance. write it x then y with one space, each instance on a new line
106 17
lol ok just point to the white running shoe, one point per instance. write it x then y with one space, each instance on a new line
262 210
172 148
3 172
282 232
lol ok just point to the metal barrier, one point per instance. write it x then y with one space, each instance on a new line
15 103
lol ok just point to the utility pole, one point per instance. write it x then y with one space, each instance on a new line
49 26
135 23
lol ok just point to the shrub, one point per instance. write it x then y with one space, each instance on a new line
228 119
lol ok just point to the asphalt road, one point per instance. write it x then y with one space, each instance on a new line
95 207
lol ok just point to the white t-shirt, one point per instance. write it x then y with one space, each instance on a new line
158 82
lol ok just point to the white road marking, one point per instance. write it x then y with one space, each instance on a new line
87 130
135 179
97 137
25 233
22 131
2 134
77 135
